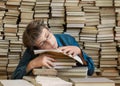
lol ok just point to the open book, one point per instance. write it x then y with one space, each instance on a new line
59 54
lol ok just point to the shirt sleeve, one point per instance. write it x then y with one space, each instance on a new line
88 59
20 71
90 63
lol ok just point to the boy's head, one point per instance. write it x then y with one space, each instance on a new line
38 35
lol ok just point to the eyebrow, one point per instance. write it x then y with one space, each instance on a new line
42 40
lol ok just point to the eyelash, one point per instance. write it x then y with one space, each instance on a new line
44 41
47 36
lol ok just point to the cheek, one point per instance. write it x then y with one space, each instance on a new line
47 47
53 39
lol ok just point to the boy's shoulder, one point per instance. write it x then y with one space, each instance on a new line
63 35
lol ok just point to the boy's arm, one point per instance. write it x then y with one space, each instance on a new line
20 71
89 62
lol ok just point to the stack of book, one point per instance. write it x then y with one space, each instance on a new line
26 15
64 63
117 34
75 20
52 81
72 3
56 20
10 19
42 10
108 60
88 34
57 8
97 72
87 3
105 33
118 61
110 72
107 16
4 44
108 53
15 83
12 4
103 3
47 81
92 81
56 25
117 81
91 15
15 49
10 35
74 72
92 49
116 3
62 60
44 72
2 5
27 5
88 0
2 13
21 28
117 10
94 54
74 14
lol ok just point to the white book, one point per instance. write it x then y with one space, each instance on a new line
15 83
51 81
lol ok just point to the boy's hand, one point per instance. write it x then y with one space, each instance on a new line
42 60
70 50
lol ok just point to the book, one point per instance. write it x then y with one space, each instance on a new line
51 81
73 72
1 84
38 71
31 79
58 54
15 83
92 81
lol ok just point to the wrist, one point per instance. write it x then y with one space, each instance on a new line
30 66
80 53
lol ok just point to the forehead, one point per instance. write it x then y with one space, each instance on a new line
42 35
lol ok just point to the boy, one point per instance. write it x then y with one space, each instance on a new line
38 36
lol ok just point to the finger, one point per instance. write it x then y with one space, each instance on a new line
74 54
47 65
50 63
61 48
66 50
51 59
70 52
